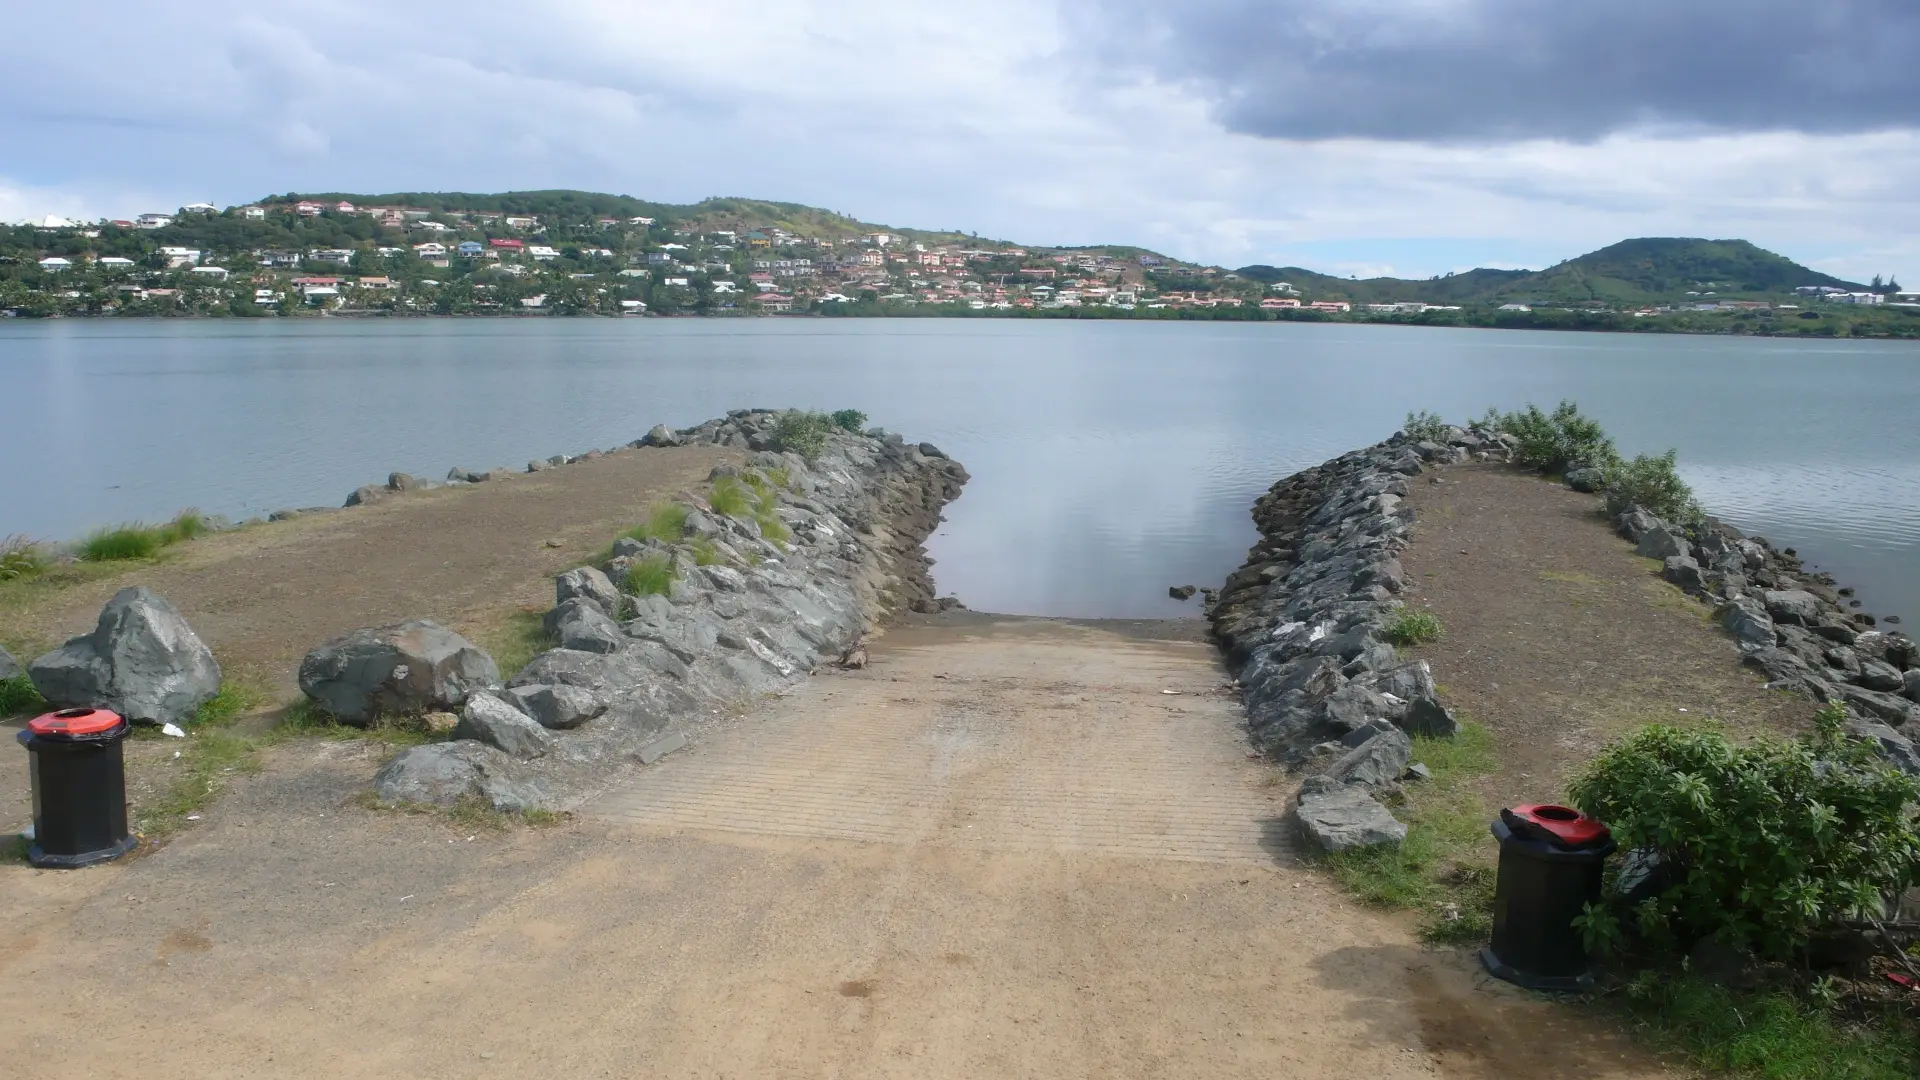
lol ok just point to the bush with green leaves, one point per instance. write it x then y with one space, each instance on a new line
1652 481
1558 441
849 420
803 432
1767 842
1413 626
1424 426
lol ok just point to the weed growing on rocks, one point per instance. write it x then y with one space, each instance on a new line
1424 426
519 640
849 420
1413 626
730 497
1558 441
706 553
651 576
803 432
666 522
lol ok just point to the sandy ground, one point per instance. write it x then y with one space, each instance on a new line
1558 637
469 556
1000 851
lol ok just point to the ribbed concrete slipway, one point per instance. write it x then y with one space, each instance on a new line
1021 737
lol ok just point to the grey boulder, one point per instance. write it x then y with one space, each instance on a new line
660 435
1912 684
1882 676
1637 522
1684 572
1660 542
9 667
1588 480
587 583
1895 747
558 706
443 774
1749 623
1339 817
1793 606
408 667
1426 716
1375 763
142 661
490 720
580 624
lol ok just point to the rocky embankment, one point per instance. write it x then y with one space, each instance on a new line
744 604
1304 623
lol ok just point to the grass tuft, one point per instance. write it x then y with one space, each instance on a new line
706 553
1771 1034
210 755
1413 626
523 637
137 541
21 557
651 576
730 497
307 719
666 523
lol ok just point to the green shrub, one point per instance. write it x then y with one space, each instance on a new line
849 420
1413 626
138 541
1653 482
18 697
1424 426
802 432
1771 1034
666 522
21 557
651 576
1769 842
1558 441
730 497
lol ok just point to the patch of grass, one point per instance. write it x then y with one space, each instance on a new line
521 638
706 553
1413 626
210 755
781 478
307 719
1445 867
22 557
19 698
666 523
1769 1033
730 497
122 543
651 576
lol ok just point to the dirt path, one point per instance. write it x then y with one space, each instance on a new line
1558 637
1001 851
468 556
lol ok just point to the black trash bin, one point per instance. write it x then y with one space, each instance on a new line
1551 859
79 781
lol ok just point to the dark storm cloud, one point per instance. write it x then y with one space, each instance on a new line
1494 70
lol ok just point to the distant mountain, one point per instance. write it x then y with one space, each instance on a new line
1643 271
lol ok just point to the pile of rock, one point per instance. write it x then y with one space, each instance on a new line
1303 624
744 616
1794 625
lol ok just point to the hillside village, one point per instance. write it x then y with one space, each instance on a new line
554 253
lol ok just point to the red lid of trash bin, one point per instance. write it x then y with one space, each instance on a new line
1568 826
74 722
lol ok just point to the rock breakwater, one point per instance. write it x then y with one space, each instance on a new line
1305 624
670 633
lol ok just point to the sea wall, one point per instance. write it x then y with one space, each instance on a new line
746 615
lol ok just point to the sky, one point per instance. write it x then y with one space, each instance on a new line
1407 137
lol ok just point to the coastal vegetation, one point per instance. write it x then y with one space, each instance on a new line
804 432
139 541
650 575
1413 626
666 522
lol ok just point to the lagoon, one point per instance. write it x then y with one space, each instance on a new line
1109 459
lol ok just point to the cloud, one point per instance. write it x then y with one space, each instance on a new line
1043 123
1500 70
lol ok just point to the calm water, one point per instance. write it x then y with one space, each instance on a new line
1110 460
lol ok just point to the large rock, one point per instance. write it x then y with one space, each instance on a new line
9 667
1888 708
660 435
588 583
490 720
442 774
1890 744
409 667
580 624
1661 542
1911 679
1749 623
1426 716
556 705
1588 479
1684 572
1882 676
1793 606
1637 522
142 661
1339 817
1375 763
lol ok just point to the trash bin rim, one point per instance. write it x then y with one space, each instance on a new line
75 724
1546 851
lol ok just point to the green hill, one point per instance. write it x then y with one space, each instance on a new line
1643 271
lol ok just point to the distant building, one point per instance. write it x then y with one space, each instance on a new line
153 221
432 250
472 249
210 273
53 264
200 208
543 253
1854 298
1514 307
253 213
